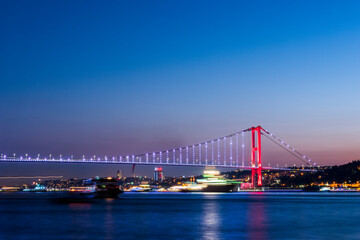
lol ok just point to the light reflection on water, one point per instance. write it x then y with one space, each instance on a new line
109 222
256 220
267 216
211 221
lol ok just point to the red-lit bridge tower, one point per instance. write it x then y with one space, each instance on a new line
256 166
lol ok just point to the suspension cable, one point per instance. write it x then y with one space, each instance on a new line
286 149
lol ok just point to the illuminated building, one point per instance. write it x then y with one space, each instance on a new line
158 174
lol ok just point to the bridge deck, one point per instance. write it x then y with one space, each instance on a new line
110 161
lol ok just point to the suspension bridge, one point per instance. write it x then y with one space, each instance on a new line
229 151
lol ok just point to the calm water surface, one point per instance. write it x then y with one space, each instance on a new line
183 216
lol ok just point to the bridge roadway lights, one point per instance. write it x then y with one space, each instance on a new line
256 157
255 166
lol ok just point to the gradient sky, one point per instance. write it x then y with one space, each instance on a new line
122 77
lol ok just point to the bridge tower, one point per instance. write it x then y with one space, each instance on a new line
256 166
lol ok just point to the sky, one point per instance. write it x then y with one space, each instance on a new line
123 77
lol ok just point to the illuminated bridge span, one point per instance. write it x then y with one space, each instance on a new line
231 151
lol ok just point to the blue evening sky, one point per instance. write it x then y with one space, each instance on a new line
122 77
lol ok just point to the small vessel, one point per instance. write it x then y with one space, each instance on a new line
311 188
143 187
36 188
92 189
325 189
176 188
105 187
138 189
78 195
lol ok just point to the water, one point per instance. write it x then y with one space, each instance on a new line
183 216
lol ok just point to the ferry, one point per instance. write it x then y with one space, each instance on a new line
212 181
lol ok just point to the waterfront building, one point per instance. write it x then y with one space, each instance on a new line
158 174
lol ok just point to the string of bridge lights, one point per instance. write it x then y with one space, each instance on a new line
290 149
151 157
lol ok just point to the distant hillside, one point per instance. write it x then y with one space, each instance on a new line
349 173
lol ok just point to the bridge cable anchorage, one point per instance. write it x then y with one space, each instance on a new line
286 147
